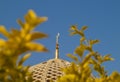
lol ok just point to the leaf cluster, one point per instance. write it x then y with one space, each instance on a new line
16 43
86 61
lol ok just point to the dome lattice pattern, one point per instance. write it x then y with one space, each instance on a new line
49 70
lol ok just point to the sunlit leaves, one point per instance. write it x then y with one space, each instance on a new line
32 19
74 30
84 28
18 42
37 35
35 47
68 78
114 77
87 60
23 59
107 58
80 50
72 57
20 23
2 43
3 31
82 39
92 42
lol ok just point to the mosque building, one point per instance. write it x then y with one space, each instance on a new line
51 69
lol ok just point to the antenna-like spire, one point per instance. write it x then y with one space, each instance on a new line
57 47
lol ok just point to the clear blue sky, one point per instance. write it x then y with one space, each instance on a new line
101 16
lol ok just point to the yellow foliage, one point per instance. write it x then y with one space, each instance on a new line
86 62
4 31
17 43
35 47
32 19
80 50
2 43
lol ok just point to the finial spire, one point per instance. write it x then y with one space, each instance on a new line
57 47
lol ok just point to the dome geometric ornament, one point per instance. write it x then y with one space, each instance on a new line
49 70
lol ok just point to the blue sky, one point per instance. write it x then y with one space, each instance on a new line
101 16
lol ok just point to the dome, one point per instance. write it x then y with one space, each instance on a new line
48 70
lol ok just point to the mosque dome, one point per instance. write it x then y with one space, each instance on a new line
49 70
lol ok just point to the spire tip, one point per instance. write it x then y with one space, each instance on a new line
57 47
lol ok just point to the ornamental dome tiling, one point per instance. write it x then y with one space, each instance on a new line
49 70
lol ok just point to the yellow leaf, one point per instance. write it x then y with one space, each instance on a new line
24 30
73 57
82 39
31 14
37 35
76 31
80 50
115 75
28 37
14 37
2 42
81 33
86 59
15 32
35 47
20 23
84 28
73 33
89 48
86 64
40 20
107 58
8 52
92 61
4 31
74 27
32 19
67 78
93 42
12 45
23 59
